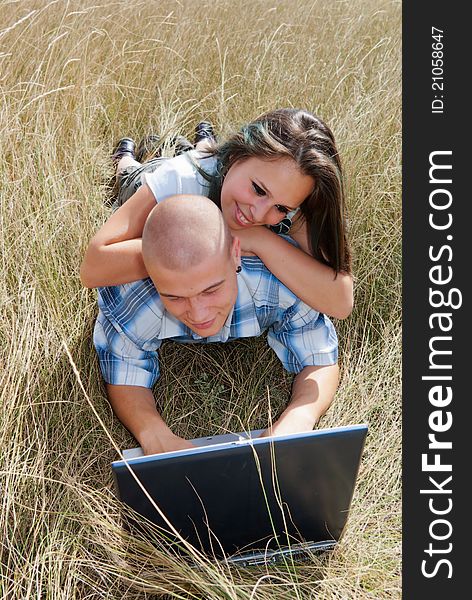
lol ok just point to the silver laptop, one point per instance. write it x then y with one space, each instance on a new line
247 499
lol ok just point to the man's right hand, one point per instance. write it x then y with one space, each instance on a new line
136 409
153 443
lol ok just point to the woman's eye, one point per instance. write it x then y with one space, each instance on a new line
259 191
282 209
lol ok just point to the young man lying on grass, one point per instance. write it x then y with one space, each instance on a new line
207 293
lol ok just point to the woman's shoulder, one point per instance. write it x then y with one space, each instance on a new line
181 175
197 167
201 161
191 162
192 165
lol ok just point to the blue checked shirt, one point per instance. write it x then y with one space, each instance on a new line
132 323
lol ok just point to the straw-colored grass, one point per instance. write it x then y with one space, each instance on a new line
75 76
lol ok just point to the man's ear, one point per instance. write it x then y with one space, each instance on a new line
236 251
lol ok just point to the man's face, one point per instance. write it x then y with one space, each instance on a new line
201 297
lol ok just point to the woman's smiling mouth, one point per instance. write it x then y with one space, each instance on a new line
240 218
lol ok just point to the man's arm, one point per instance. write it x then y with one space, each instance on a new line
312 393
136 409
129 370
306 343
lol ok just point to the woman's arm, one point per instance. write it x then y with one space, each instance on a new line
114 256
310 280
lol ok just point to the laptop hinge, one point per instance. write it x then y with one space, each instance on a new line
295 551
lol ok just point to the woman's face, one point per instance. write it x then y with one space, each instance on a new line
257 191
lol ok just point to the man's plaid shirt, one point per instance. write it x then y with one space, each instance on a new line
132 323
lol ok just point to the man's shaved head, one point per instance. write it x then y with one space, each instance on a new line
192 258
182 231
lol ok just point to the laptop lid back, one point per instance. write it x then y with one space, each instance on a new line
259 494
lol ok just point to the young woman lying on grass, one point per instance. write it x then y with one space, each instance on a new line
279 174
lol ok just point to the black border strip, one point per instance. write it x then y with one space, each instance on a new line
433 567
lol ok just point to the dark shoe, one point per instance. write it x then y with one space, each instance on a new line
149 147
204 131
125 147
181 145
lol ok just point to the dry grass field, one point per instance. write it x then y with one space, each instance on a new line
75 75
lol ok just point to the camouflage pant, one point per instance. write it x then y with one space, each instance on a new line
131 179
